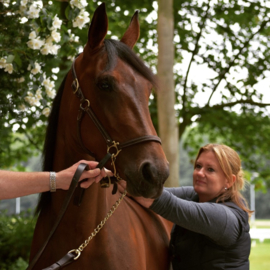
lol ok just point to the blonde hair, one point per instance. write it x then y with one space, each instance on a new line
230 163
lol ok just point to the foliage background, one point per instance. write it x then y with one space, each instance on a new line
228 40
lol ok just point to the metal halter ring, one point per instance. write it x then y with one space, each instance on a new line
114 145
77 252
77 85
87 105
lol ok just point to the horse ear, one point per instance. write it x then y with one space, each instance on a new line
98 28
133 32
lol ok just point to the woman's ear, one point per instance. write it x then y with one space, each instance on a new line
230 184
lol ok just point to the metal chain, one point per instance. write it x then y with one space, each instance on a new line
98 228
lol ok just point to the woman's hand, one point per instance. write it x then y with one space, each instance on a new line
146 202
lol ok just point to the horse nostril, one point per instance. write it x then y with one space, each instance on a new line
148 172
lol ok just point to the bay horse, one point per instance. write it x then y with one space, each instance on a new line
116 85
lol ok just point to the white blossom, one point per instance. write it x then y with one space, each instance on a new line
2 62
38 94
45 49
56 23
32 35
54 49
80 4
81 19
33 101
72 37
46 111
21 107
56 36
24 3
51 93
36 69
33 12
5 2
35 43
48 84
50 48
9 68
20 80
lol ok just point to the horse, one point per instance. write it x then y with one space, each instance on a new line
116 85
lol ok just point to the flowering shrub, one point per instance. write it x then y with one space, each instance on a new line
38 41
46 37
36 47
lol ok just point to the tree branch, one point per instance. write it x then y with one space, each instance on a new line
194 52
241 101
226 70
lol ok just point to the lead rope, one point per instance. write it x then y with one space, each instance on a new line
74 254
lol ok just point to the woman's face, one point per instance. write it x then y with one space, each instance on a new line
209 180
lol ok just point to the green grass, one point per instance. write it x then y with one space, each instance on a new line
259 256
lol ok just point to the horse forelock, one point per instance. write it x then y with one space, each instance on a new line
116 49
49 144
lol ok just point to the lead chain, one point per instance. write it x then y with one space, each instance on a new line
98 228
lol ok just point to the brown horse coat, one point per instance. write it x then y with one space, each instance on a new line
118 86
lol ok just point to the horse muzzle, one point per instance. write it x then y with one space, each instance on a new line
148 181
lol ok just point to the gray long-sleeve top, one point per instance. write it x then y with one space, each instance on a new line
215 220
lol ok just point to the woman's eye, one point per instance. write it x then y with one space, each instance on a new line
198 166
211 170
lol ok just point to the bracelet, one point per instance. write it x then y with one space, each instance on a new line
52 181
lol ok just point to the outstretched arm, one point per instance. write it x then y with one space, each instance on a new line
18 184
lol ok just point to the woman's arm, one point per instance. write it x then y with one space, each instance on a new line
18 184
181 192
211 219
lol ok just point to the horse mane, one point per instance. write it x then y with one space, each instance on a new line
114 49
49 144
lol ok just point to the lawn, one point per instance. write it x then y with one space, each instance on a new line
259 256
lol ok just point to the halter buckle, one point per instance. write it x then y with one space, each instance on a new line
75 85
87 105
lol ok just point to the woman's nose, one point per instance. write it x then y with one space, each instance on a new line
201 172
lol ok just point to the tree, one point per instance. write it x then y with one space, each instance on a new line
229 40
168 128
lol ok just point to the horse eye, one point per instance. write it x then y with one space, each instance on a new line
105 86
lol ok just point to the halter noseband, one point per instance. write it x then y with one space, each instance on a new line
85 106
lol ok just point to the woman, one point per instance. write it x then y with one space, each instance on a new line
18 184
211 228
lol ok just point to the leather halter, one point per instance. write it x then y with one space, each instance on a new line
85 107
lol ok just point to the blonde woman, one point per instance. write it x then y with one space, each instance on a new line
211 228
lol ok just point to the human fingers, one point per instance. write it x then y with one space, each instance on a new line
87 183
103 174
90 174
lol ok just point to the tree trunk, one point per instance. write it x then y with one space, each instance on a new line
168 128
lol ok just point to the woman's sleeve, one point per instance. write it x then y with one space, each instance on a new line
214 220
182 192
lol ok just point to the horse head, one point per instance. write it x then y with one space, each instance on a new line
116 85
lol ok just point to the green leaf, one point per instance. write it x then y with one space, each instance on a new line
10 58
